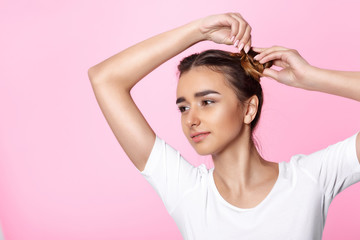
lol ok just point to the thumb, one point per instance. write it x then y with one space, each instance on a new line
271 73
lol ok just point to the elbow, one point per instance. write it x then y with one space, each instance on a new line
99 74
103 76
96 75
92 73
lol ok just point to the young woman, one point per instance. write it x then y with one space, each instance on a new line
219 95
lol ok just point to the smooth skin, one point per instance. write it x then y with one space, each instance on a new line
242 177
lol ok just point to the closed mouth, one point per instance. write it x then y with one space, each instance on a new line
199 137
198 134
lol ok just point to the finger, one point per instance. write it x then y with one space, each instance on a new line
268 51
280 63
234 25
238 14
247 46
257 49
268 72
278 55
242 25
234 30
229 22
245 39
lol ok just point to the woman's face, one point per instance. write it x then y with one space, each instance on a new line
208 106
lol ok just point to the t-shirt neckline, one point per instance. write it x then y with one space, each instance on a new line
268 196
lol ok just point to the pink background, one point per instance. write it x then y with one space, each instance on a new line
63 175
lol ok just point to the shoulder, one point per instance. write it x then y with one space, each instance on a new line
335 152
333 168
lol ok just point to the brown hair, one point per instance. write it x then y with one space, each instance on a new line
241 71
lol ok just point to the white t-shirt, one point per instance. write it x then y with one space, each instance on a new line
295 208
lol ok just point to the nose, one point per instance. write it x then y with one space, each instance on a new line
192 118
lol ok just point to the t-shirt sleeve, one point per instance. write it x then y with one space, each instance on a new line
334 168
170 174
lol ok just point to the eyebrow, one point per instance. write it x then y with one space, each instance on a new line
198 94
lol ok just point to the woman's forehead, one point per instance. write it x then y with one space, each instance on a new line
199 79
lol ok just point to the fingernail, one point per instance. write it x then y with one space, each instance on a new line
241 46
246 49
256 57
232 38
236 43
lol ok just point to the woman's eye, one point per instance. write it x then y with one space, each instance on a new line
182 109
207 102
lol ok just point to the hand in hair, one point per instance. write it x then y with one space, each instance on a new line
297 72
294 67
229 28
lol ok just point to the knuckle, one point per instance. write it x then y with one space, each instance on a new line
239 15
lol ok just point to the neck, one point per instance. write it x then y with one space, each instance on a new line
240 167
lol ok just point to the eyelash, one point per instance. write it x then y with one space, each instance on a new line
181 109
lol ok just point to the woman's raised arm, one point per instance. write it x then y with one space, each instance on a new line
113 78
297 72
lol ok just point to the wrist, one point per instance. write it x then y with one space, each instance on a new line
195 28
312 78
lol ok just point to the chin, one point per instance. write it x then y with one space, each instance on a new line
207 146
203 150
203 153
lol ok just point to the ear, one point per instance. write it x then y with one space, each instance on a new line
251 108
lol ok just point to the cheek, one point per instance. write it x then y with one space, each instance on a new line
228 118
229 124
184 127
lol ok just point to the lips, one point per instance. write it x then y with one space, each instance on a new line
199 136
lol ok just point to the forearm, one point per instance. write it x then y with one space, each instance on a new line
345 84
129 66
